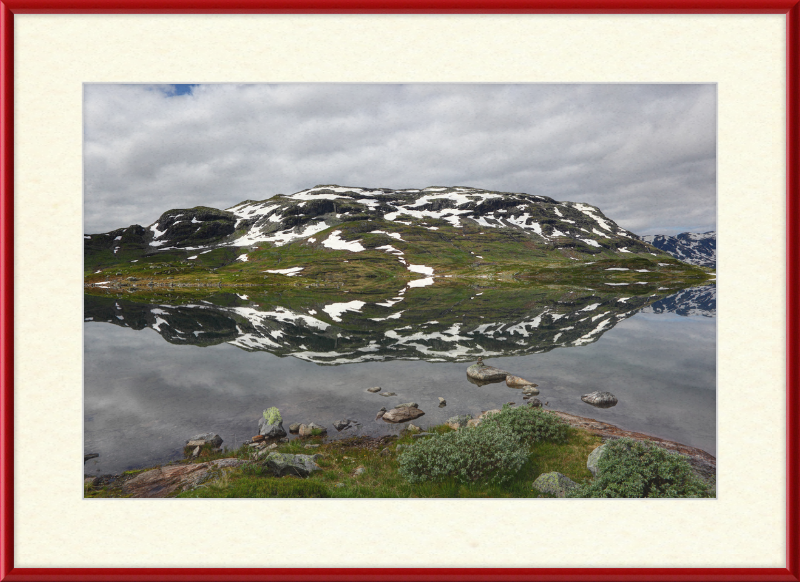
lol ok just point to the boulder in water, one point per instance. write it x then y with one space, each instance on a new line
600 399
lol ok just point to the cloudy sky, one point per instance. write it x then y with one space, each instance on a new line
644 154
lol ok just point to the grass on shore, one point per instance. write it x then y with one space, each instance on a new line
380 477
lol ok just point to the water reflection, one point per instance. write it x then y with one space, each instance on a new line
144 396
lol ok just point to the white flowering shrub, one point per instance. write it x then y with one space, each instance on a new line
492 453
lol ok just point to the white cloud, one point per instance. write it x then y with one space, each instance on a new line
644 154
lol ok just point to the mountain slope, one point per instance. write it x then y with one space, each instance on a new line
690 247
372 240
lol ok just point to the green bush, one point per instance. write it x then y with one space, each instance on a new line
272 415
531 425
493 453
630 468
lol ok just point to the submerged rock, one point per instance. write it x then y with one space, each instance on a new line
88 456
517 382
375 389
341 425
530 390
535 402
388 394
282 464
380 414
208 438
311 428
442 402
600 399
402 414
554 483
594 458
409 404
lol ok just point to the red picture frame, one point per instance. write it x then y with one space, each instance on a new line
8 8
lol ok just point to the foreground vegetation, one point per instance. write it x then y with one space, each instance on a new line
500 458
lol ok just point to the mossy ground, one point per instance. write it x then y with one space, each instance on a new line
459 256
380 478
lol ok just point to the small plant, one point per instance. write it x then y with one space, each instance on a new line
492 454
630 468
272 415
531 425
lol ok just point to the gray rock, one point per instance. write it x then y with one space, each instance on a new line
554 483
294 427
282 464
442 402
600 399
375 389
517 382
271 431
456 422
402 414
388 394
208 438
594 457
358 471
409 404
341 425
535 402
196 452
380 414
528 390
480 373
311 428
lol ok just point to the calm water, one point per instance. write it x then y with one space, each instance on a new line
161 374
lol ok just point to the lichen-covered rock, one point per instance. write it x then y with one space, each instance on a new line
271 424
554 483
282 464
456 422
517 382
594 458
600 399
164 481
208 438
402 414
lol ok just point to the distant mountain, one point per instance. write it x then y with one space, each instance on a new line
690 247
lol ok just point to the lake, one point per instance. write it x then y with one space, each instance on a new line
157 374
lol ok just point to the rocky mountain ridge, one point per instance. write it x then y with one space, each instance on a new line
690 247
305 216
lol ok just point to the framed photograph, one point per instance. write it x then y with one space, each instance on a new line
300 212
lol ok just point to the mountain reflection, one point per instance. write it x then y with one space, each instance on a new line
443 326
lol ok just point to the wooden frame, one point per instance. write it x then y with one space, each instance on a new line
791 8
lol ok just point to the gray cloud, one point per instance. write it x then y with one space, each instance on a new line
644 154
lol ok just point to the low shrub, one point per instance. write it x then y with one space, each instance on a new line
494 454
531 425
630 468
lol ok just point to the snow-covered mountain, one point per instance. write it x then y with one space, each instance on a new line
306 215
690 247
